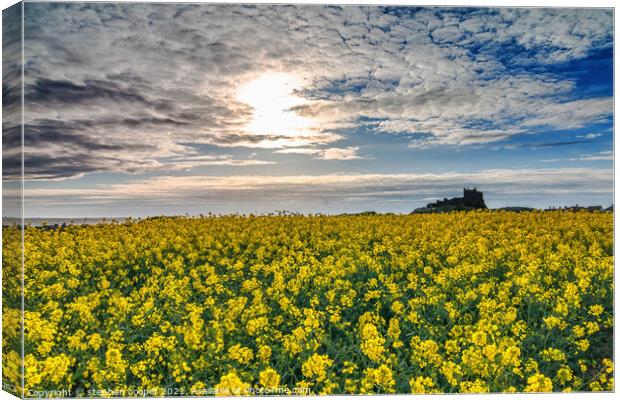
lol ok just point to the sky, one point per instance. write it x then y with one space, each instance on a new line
138 109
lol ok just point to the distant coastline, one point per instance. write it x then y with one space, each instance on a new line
55 222
59 221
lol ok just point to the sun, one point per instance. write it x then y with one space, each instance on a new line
271 97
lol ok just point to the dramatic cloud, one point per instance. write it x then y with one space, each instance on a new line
11 96
135 87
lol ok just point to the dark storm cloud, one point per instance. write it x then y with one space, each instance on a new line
11 95
40 166
74 134
62 93
69 152
11 136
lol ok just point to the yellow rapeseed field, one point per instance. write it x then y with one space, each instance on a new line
442 303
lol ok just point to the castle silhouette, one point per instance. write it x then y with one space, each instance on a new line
472 198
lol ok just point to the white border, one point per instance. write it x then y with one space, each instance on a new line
482 3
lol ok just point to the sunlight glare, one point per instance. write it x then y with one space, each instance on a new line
271 96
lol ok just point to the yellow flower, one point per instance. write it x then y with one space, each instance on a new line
578 331
413 317
564 375
56 367
349 367
32 369
269 378
477 386
372 342
583 344
316 366
553 321
231 385
490 351
398 307
75 341
113 357
425 352
531 365
609 365
255 325
591 327
474 360
94 341
394 332
421 385
538 383
381 378
479 338
45 348
551 354
561 308
236 296
451 346
451 371
264 353
596 310
511 357
12 366
241 354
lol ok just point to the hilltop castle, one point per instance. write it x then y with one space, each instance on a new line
471 198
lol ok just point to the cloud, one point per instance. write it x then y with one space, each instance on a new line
163 77
564 33
600 156
11 92
188 163
572 114
556 144
298 150
541 145
590 135
63 93
502 186
332 153
607 155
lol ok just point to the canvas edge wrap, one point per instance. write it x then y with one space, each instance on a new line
12 198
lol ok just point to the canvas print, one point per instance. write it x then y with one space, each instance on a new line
241 199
